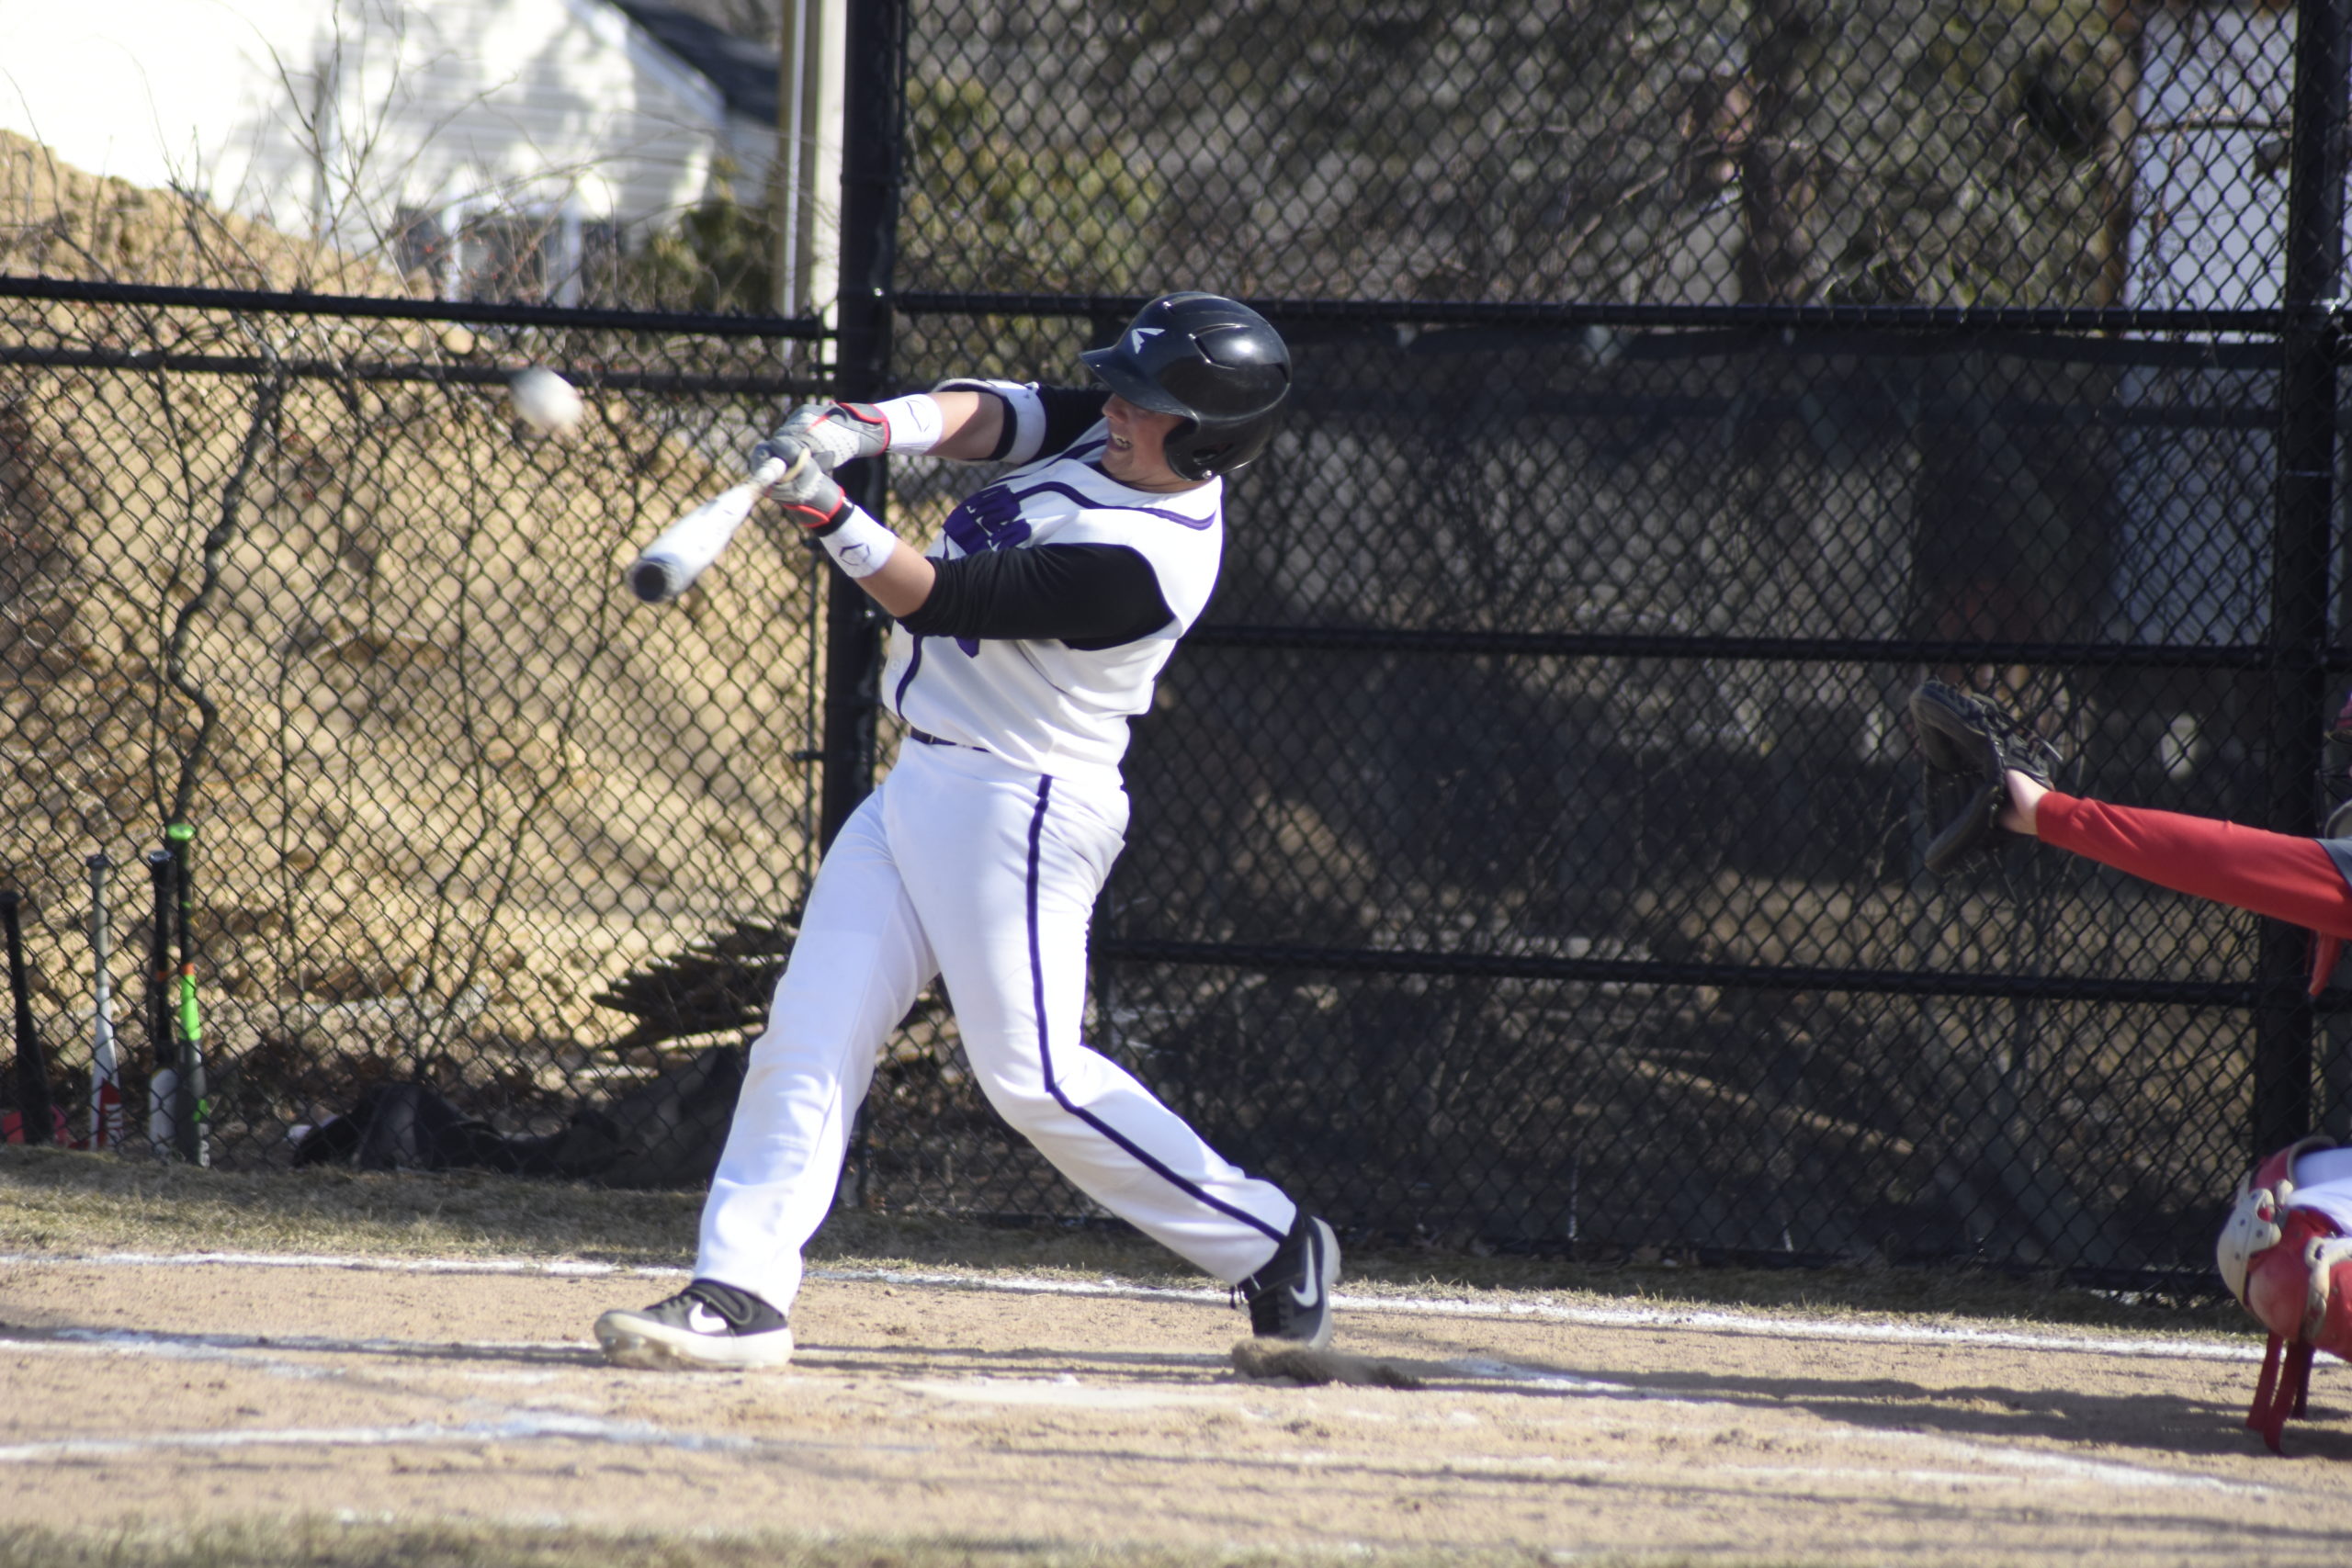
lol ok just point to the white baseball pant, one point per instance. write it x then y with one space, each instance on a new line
964 866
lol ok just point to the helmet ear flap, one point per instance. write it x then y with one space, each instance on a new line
1199 457
1182 448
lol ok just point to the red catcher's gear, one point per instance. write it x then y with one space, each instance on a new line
2290 1267
2293 1270
2277 875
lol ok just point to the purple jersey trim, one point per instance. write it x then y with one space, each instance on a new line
914 662
1056 488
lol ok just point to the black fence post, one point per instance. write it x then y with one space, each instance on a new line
2300 537
876 49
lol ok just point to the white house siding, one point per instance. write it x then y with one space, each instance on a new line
2208 175
561 109
2209 229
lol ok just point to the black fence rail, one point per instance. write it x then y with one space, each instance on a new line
1526 850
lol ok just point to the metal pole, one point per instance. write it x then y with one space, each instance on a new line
792 72
2301 538
106 1065
870 163
193 1112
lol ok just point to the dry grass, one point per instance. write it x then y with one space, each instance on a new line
328 1544
57 221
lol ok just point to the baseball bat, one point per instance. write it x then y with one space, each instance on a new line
36 1119
105 1067
164 1075
668 566
194 1110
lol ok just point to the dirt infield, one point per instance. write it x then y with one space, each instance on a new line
1061 1416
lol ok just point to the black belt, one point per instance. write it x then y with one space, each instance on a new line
927 738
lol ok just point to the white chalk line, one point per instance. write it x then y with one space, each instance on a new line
2042 1468
534 1426
1749 1323
1702 1321
522 1426
219 1347
264 1353
530 1425
557 1267
2113 1472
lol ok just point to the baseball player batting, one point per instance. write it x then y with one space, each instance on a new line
2286 1250
1025 639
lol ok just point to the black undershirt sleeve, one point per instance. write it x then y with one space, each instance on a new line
1070 413
1090 596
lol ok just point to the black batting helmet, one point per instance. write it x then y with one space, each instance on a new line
1214 363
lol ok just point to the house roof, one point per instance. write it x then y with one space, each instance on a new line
743 72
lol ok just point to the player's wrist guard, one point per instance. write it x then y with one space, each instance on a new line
916 423
859 546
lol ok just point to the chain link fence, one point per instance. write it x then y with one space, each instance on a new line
302 581
1526 845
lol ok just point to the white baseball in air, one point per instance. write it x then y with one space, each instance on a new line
545 400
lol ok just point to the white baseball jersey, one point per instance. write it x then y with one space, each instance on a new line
1059 595
1044 705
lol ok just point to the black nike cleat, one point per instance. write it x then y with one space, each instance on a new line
707 1324
1290 1298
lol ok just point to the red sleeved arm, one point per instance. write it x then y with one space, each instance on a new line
2276 875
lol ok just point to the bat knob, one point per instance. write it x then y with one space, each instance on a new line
654 579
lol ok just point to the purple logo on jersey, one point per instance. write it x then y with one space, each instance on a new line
989 520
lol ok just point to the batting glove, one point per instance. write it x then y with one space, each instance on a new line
811 499
776 449
835 434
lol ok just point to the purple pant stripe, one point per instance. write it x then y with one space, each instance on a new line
1045 1051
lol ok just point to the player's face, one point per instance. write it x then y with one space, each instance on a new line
1137 455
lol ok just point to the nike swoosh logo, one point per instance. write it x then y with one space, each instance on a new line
702 1320
1314 1291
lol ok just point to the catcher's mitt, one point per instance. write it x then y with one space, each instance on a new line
1964 734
